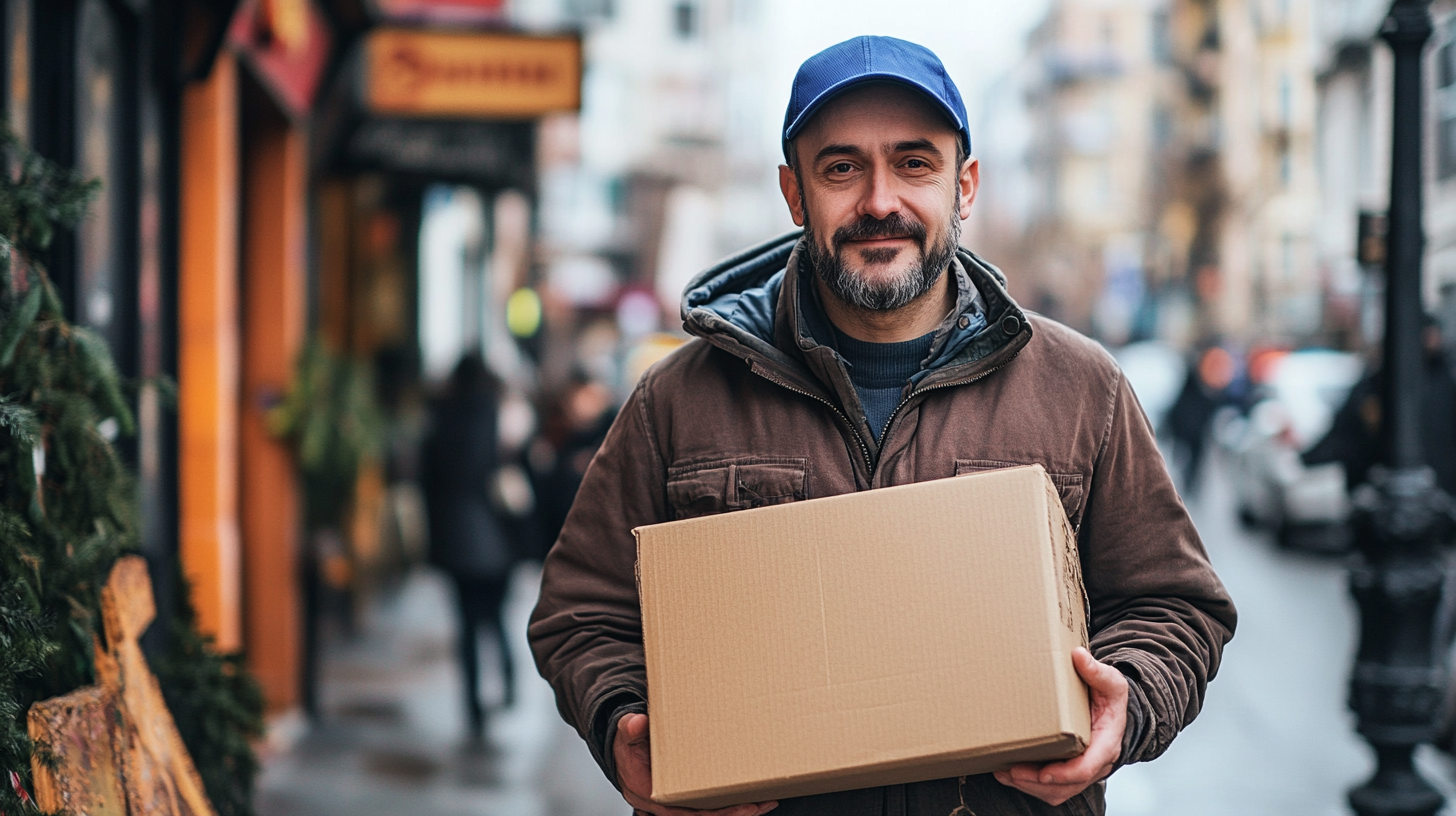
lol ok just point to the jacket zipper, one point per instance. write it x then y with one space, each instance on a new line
870 464
895 414
863 449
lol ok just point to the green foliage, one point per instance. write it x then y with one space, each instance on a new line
333 418
37 196
69 508
24 652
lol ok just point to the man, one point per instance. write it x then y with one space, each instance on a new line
870 352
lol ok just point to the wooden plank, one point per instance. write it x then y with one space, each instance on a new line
159 774
115 748
76 730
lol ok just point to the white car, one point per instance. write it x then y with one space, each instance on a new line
1307 507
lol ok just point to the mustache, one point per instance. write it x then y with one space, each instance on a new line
893 225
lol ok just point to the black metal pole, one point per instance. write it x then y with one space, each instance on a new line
1406 29
1401 517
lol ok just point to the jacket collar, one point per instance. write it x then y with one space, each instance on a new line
753 306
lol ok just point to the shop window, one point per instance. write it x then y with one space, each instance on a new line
100 283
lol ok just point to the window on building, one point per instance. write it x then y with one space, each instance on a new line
685 19
1286 101
1162 127
1162 37
584 10
1446 101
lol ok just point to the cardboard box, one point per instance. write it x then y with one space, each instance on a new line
890 636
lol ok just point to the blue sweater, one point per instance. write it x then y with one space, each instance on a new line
880 371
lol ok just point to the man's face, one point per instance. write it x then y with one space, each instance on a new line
879 195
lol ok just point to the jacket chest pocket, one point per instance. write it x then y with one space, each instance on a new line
709 488
1069 485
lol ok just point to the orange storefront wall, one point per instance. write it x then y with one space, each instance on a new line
242 313
208 352
274 292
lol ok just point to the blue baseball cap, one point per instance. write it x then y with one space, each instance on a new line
838 68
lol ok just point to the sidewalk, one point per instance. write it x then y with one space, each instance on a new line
393 740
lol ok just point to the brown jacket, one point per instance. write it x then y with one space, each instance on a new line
759 412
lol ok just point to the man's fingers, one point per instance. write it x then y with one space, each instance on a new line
1024 778
1088 767
633 727
1080 771
1023 773
1099 676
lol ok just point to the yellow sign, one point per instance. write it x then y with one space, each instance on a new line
427 73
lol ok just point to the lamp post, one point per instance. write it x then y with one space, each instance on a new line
1401 517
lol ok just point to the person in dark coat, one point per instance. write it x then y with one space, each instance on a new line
1204 392
584 416
467 540
1354 436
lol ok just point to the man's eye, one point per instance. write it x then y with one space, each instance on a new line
915 164
841 167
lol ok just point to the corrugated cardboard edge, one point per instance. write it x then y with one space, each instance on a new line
964 763
1068 618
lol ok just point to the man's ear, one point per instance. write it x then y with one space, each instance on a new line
789 185
969 182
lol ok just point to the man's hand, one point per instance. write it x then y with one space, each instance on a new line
1056 782
634 774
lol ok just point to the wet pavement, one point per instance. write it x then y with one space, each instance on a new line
1274 739
393 742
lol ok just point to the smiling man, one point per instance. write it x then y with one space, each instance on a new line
873 351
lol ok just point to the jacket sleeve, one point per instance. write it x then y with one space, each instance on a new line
586 630
1159 613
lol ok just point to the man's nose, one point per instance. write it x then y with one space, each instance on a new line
882 197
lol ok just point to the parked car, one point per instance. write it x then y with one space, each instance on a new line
1306 507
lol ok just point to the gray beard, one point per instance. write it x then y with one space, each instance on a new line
886 295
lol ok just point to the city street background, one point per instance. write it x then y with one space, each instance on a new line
343 252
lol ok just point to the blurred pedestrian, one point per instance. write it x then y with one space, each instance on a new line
1204 392
467 540
585 413
1354 436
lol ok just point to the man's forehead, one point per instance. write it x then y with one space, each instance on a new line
878 114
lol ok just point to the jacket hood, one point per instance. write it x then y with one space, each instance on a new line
740 306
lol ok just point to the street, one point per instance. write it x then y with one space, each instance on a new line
1275 738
